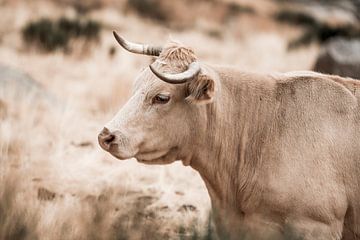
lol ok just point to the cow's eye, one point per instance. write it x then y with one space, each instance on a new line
160 99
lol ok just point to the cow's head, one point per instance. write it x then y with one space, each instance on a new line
165 118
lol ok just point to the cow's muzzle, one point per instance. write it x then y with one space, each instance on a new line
106 139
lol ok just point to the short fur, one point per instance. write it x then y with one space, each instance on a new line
279 153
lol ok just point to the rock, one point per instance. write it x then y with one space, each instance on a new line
21 82
17 84
340 57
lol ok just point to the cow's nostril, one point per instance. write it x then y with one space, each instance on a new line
106 138
109 139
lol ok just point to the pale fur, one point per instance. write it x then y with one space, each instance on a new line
279 153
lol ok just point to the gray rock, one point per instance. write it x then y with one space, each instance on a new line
341 57
15 80
17 84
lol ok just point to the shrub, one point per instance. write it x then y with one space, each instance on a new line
315 31
53 35
112 51
295 18
149 8
236 9
321 33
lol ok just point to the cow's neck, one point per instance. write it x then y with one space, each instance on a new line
230 159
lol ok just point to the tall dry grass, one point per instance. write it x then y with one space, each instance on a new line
56 184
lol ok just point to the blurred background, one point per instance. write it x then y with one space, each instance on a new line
62 77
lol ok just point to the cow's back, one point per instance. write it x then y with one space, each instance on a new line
318 132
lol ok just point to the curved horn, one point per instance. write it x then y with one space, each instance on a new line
137 48
177 78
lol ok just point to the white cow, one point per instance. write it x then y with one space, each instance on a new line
279 153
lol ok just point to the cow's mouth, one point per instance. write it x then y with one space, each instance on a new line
148 156
155 157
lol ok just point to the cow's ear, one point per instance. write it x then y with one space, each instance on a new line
201 90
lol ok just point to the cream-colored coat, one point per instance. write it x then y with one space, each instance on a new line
279 153
283 155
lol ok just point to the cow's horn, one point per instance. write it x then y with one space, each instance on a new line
177 78
137 48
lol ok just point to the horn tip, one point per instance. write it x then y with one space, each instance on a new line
118 38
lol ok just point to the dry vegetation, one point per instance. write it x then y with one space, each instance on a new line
56 183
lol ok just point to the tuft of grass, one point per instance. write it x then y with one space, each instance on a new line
183 14
295 18
112 51
236 9
149 9
51 35
83 7
214 33
210 234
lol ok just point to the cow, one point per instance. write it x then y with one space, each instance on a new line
279 152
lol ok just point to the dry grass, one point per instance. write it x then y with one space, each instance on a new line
56 183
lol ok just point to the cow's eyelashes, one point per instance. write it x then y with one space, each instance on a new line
160 99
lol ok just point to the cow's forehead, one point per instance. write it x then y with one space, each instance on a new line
146 81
